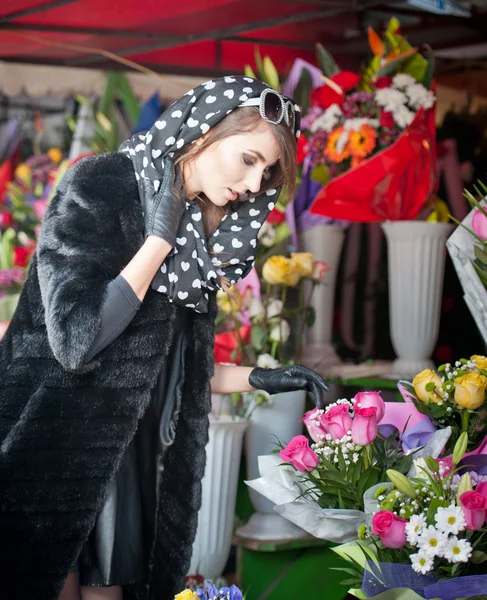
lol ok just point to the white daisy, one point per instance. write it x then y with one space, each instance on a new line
450 519
422 563
457 550
402 80
432 541
420 97
390 99
414 528
403 116
328 120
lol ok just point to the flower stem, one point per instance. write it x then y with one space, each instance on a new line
241 344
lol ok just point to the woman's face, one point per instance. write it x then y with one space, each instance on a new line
233 166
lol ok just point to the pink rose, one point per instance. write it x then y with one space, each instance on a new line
390 528
474 506
364 425
479 224
299 454
482 489
311 418
337 421
366 399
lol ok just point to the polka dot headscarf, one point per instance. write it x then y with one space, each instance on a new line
194 266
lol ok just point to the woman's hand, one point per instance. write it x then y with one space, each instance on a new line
287 379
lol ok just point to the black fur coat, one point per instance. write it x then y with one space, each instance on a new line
64 425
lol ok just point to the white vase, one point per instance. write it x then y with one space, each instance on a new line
416 264
325 242
270 423
213 540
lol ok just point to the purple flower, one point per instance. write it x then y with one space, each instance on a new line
313 113
388 136
359 104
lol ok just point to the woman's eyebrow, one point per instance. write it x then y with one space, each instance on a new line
261 157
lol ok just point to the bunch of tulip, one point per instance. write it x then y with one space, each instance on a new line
455 396
348 455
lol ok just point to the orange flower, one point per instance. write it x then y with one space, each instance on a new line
362 142
333 153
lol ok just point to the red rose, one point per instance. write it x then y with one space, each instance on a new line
301 149
21 256
386 119
327 95
6 219
383 82
276 217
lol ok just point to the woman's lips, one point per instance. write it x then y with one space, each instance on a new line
232 195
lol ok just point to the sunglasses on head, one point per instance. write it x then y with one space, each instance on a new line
274 108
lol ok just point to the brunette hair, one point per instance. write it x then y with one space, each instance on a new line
244 120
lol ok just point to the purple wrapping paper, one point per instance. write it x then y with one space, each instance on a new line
417 435
389 576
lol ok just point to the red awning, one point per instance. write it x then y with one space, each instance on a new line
211 37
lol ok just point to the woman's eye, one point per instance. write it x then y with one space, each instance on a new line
248 161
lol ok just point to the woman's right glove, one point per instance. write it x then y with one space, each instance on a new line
163 210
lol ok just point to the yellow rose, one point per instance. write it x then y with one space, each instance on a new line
186 595
303 261
420 382
230 301
470 390
55 155
280 270
480 361
23 173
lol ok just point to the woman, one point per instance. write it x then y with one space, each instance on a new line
106 368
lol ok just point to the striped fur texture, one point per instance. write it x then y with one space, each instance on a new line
64 425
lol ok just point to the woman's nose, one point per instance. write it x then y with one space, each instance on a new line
253 181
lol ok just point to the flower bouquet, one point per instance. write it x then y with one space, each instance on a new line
369 138
209 591
427 538
323 486
454 396
263 323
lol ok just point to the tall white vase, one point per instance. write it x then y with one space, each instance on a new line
269 423
213 540
325 242
416 265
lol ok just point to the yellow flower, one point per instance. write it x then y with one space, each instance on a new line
303 261
230 301
186 595
23 173
480 361
420 382
55 155
281 270
470 390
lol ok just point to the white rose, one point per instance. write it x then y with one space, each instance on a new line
274 308
266 361
267 235
256 309
280 333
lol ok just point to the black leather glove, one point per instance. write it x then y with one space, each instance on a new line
288 379
164 209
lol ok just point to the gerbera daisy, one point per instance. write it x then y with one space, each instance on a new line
335 150
362 142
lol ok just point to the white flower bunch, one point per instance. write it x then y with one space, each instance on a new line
404 99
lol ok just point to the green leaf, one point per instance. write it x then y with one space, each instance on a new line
320 174
480 272
430 68
430 387
391 67
258 337
258 63
478 557
433 507
302 91
310 316
272 76
480 254
368 479
326 62
249 72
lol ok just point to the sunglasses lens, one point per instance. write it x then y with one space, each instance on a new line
273 107
290 116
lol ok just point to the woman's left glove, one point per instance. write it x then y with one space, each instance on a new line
288 379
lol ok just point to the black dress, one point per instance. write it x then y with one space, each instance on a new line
119 548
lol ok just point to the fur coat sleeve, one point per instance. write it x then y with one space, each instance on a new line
83 245
65 425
